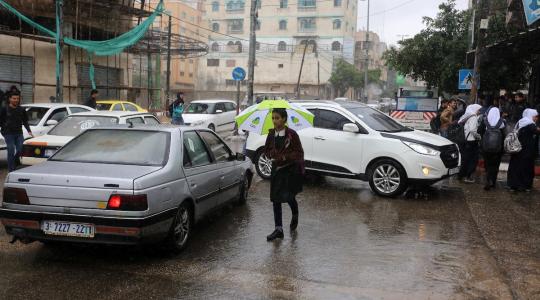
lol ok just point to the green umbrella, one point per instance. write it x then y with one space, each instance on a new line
258 118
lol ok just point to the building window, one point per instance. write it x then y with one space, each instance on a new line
215 47
258 25
280 66
337 24
257 46
337 3
231 63
282 25
238 45
310 44
215 27
336 46
282 46
235 6
283 3
307 24
236 26
212 62
190 75
307 3
182 74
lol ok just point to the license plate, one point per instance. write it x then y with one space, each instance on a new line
453 171
68 229
49 152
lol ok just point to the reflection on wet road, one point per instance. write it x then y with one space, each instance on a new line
350 245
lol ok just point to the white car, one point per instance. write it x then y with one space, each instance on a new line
216 115
352 140
44 116
39 149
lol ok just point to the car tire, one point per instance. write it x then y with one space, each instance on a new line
244 190
181 228
263 165
212 127
387 178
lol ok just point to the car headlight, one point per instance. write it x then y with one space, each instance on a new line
197 123
425 150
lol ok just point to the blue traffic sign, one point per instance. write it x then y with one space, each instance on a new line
466 79
532 10
239 74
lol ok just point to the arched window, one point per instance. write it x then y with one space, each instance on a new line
337 24
336 46
215 47
215 27
238 45
231 47
311 44
282 46
215 6
282 25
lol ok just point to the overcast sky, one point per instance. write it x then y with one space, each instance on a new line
392 18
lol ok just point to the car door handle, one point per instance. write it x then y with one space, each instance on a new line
320 138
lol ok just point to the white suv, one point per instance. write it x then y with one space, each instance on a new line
352 140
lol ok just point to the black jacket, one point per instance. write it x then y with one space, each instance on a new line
13 119
91 102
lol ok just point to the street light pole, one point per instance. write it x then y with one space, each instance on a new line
252 51
367 57
168 62
59 51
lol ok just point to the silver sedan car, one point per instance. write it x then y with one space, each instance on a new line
125 186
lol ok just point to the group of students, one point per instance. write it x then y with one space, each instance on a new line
484 128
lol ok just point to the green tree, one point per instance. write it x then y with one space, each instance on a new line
436 53
346 76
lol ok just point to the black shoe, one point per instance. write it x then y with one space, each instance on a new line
294 222
487 187
277 234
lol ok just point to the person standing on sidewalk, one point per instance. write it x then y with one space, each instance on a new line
283 146
521 168
12 120
447 118
92 100
492 159
176 109
469 150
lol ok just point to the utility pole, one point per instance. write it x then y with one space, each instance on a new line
59 51
482 9
301 67
319 79
168 62
367 57
252 51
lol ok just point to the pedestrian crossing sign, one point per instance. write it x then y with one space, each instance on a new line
466 79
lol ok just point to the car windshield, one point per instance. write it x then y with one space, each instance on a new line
199 108
35 114
74 125
377 120
103 106
124 147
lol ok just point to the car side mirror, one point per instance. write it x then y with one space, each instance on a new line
51 123
240 157
219 111
351 127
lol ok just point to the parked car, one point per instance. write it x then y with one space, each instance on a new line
216 115
125 186
352 140
44 116
37 150
118 105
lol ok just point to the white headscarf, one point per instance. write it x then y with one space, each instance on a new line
469 112
494 116
527 119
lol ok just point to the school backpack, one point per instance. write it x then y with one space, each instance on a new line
435 123
492 141
511 143
456 133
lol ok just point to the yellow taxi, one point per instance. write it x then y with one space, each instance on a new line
118 105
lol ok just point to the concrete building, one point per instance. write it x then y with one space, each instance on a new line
284 28
27 58
375 62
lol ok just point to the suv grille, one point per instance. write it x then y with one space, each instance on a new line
450 156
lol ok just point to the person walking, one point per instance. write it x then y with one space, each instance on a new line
521 168
12 120
284 148
92 100
176 109
447 118
492 158
514 110
470 149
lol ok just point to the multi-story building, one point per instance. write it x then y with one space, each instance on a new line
376 50
283 29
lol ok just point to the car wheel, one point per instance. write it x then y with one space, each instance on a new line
387 178
181 228
212 127
244 190
263 165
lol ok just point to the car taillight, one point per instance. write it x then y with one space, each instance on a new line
15 195
128 202
28 151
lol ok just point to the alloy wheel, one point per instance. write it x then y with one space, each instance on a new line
265 165
386 178
182 226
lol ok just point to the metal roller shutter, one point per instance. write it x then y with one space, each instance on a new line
19 69
104 77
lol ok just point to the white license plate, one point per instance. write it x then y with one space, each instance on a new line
68 229
49 152
453 171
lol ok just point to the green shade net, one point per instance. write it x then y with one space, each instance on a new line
99 48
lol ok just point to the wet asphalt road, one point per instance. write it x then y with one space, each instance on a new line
458 242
